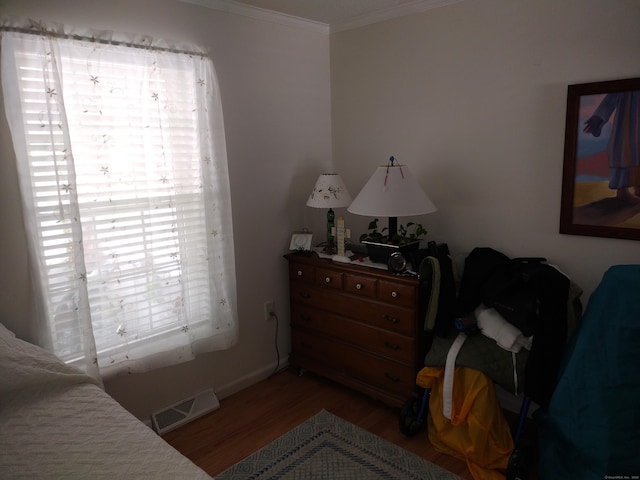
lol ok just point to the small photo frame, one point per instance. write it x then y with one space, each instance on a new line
301 241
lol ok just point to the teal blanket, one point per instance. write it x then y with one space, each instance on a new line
591 429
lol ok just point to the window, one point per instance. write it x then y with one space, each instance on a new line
123 173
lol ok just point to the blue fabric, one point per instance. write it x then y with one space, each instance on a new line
592 425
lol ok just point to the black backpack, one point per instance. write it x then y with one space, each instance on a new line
508 285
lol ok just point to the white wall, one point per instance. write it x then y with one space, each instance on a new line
472 97
274 81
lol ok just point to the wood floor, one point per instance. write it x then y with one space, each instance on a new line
258 415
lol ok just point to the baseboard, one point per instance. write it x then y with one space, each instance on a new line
228 389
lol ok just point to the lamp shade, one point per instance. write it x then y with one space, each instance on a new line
392 192
329 192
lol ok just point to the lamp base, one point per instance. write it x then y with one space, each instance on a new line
331 244
329 248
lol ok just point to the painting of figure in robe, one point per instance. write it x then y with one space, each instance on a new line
607 173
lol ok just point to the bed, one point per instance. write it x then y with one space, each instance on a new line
57 423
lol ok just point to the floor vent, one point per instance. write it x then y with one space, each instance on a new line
184 411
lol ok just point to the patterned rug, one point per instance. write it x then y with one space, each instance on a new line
328 447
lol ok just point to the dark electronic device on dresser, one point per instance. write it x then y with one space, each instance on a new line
399 262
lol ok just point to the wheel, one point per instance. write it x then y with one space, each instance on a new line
410 420
518 467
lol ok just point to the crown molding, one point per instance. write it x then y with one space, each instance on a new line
258 13
419 6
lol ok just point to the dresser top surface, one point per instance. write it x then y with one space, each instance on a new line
313 259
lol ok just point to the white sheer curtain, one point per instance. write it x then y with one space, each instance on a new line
123 172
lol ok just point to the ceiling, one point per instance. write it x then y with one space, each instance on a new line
334 14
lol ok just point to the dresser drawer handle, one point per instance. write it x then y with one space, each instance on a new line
306 318
307 346
392 346
393 378
306 295
391 319
358 286
299 273
327 279
394 294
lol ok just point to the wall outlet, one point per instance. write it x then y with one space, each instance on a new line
269 309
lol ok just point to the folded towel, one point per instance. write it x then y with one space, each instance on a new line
506 335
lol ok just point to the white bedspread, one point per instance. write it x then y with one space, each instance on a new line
56 423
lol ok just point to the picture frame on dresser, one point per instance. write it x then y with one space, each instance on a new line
601 170
301 241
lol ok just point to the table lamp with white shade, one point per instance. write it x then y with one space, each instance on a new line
329 192
392 192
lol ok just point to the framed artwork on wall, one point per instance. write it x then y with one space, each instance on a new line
601 173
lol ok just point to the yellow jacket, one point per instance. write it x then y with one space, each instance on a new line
477 432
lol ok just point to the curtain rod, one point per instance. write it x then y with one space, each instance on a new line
41 31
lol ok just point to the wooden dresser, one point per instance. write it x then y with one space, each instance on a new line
357 325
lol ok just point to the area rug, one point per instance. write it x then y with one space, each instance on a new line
328 447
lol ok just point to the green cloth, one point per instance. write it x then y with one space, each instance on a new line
483 354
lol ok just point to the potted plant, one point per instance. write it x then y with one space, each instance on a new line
380 245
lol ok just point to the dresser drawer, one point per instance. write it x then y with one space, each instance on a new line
300 272
329 278
360 285
384 342
396 293
385 373
390 317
